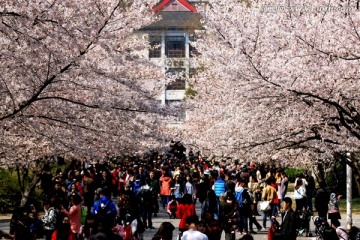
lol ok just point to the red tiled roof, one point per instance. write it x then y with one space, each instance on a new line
164 3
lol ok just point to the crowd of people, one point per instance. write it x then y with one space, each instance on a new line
78 202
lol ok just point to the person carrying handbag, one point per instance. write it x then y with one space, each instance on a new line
268 194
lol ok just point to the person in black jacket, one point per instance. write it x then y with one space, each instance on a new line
20 224
322 198
146 203
288 225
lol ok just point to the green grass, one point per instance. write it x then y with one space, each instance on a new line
355 205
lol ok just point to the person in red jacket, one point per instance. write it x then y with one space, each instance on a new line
276 201
185 208
63 231
165 188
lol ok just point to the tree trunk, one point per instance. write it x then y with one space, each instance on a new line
26 189
357 182
319 172
29 190
354 164
336 177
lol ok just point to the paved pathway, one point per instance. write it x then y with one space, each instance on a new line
163 216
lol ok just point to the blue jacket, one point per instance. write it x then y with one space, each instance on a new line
219 187
136 186
107 204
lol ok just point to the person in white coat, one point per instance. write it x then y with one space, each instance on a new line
300 195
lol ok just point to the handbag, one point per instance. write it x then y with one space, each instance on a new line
265 206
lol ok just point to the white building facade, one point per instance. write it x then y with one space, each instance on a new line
170 40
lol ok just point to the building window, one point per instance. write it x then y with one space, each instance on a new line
175 47
155 47
174 7
179 83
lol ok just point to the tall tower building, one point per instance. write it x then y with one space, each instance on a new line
170 40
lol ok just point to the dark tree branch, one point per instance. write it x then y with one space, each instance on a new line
329 53
67 67
263 77
35 95
18 172
87 105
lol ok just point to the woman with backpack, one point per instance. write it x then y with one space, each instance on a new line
210 205
244 205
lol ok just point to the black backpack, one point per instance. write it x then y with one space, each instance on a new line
330 233
145 196
104 214
59 218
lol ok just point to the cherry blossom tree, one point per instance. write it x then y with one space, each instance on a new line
73 81
280 80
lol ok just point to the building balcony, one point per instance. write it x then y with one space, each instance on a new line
175 53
